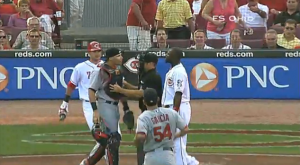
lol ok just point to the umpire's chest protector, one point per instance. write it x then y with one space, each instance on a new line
114 76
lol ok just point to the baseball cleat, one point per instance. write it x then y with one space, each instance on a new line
83 162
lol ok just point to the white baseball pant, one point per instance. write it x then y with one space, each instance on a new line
182 157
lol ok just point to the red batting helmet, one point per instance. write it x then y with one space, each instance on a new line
94 46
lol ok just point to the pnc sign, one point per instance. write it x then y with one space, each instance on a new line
204 77
3 77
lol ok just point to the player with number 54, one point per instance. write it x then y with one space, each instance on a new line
156 131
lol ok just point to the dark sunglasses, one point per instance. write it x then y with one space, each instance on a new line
34 36
3 37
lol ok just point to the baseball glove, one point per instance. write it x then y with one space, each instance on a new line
128 119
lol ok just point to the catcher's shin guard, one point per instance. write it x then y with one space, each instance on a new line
113 149
96 154
140 155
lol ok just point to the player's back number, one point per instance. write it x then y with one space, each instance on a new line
160 134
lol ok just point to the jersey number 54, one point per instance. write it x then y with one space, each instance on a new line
160 135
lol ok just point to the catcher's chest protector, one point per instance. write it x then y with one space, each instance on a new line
115 76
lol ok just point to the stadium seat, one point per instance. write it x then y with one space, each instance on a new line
216 43
254 44
257 33
179 43
278 29
271 19
5 19
200 22
15 31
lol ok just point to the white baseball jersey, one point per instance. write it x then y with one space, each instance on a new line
176 81
159 126
81 77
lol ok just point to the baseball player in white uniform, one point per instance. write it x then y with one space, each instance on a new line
81 78
156 130
176 95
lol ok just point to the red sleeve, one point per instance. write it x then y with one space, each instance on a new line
16 2
191 5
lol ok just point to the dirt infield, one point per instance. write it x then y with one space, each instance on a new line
204 111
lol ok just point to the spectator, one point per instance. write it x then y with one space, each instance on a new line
292 12
4 42
200 39
271 40
222 16
22 41
288 39
275 6
161 37
20 19
45 10
139 22
254 14
173 16
76 12
34 38
235 39
8 8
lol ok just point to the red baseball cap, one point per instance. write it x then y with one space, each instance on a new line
94 46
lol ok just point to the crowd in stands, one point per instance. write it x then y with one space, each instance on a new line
192 24
214 24
30 24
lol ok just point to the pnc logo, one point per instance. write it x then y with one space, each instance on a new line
3 77
204 77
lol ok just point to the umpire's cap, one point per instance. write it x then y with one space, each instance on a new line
150 57
112 52
150 97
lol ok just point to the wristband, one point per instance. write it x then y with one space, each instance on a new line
67 98
176 109
94 106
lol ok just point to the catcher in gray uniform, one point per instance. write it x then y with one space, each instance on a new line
106 113
156 130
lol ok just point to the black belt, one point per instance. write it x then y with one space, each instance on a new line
111 102
106 101
164 149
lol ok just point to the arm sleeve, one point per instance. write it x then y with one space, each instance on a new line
179 80
141 126
180 124
75 77
95 81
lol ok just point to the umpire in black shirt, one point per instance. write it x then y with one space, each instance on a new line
148 78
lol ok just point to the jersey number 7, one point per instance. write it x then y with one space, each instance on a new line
160 135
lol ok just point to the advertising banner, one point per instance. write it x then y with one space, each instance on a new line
209 78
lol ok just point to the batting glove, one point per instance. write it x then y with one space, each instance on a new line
63 110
